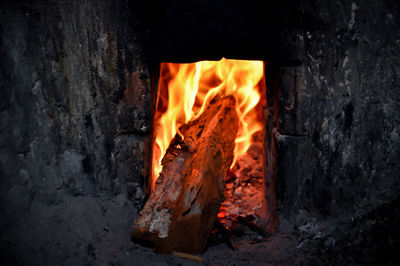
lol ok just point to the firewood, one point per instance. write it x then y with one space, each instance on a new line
180 212
226 235
254 227
188 256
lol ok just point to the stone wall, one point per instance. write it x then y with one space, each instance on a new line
338 130
75 115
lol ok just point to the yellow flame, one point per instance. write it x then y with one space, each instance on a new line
190 87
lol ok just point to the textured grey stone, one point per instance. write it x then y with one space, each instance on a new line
132 161
348 110
135 114
62 79
290 101
294 185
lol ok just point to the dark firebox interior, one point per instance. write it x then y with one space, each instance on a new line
78 83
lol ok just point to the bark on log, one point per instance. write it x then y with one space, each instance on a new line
182 208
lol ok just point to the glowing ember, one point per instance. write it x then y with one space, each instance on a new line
186 89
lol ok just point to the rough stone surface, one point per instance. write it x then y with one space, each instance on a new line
135 112
339 111
131 160
70 175
290 90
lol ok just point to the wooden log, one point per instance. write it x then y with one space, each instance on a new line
181 210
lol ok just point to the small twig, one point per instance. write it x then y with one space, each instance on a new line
255 227
188 256
226 235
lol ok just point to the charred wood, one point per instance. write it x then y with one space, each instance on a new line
226 235
182 208
253 226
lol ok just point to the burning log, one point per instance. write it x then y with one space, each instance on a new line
182 208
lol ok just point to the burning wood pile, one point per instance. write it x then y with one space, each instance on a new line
205 123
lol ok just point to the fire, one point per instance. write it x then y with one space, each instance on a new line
186 89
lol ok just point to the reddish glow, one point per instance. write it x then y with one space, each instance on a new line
186 90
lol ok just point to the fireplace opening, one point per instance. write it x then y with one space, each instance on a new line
184 93
190 98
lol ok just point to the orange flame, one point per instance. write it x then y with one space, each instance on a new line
186 89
